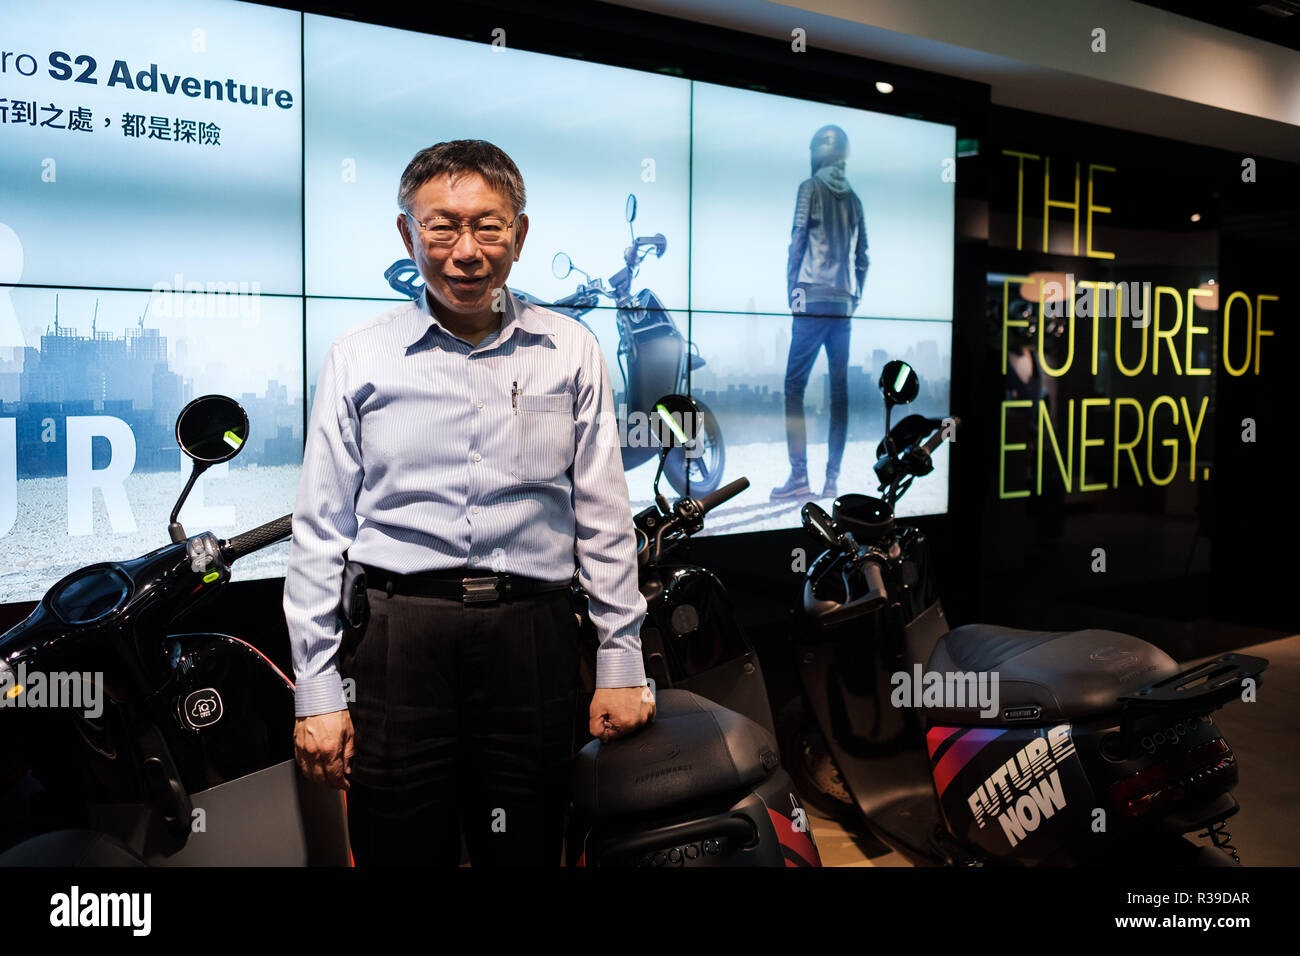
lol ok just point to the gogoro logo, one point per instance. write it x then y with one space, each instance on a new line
681 855
1111 655
1123 664
202 708
656 752
1171 735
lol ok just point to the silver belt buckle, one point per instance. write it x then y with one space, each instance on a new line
478 590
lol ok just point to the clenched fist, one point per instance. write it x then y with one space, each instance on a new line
617 711
323 747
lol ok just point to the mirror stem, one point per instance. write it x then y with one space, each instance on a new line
174 527
891 493
660 500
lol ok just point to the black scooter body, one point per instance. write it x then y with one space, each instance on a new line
198 772
1101 748
189 760
1030 795
691 641
1024 786
702 785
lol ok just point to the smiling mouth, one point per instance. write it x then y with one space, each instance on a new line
466 283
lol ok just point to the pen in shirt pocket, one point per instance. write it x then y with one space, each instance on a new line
514 396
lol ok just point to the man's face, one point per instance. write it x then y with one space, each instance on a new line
468 198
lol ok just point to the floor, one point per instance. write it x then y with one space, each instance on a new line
1266 738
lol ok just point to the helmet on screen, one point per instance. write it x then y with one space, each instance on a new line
830 144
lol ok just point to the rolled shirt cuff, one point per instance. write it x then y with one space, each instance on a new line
619 667
322 694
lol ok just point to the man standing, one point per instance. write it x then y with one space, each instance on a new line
462 448
829 232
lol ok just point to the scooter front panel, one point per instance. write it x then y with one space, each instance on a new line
229 710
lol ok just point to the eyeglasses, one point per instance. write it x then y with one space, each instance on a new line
488 231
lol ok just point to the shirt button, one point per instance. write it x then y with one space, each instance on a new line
474 510
479 403
473 560
477 456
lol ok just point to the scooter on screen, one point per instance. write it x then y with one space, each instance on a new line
988 745
653 355
186 756
702 784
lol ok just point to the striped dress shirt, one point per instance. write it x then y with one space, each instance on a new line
424 452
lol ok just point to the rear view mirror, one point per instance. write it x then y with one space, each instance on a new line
899 382
212 429
561 265
629 208
816 520
675 420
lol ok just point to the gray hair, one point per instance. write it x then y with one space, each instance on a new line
460 156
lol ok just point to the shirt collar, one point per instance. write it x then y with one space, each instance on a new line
518 314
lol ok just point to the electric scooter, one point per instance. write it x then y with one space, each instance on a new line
702 784
188 758
1097 747
653 355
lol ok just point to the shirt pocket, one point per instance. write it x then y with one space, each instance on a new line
543 436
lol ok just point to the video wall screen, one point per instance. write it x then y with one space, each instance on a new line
174 225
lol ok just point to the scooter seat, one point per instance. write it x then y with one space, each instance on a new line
693 750
1046 675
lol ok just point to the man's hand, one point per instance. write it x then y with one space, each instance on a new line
323 746
617 711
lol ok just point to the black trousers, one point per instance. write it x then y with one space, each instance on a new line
463 720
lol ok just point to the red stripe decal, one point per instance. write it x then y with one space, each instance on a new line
800 842
262 656
937 735
960 754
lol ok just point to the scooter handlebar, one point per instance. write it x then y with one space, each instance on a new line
935 440
875 598
725 493
256 539
658 241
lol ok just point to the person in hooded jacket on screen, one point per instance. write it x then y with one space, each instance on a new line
826 270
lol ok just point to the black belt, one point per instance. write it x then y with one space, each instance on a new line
471 587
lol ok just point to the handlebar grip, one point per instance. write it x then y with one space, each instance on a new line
875 582
726 492
935 440
257 538
875 598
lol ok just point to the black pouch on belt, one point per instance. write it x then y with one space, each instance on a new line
354 607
